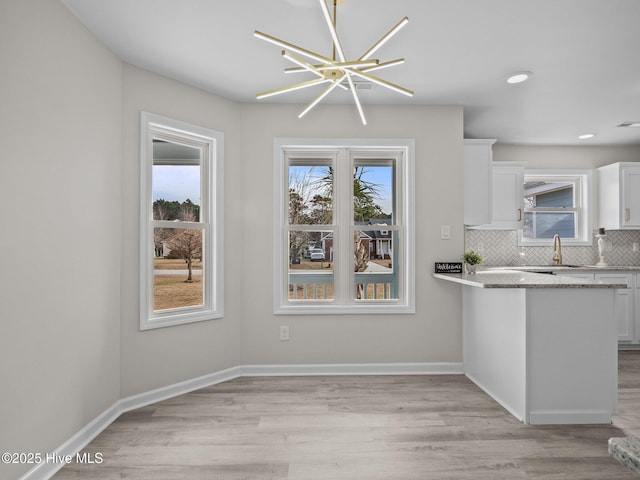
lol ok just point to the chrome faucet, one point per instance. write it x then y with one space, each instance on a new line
557 249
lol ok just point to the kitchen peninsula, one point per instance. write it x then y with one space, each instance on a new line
543 346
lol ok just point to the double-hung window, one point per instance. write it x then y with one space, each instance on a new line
556 202
181 223
344 226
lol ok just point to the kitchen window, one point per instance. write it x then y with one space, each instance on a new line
344 236
556 202
181 223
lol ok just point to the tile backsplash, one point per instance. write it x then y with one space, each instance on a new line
500 247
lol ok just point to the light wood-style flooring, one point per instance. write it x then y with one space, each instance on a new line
356 428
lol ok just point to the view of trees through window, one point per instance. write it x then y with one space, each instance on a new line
181 222
178 251
311 195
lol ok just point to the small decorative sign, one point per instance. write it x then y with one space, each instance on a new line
448 267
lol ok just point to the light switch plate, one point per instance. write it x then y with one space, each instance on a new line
445 232
284 333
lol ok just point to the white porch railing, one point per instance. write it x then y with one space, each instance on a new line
319 285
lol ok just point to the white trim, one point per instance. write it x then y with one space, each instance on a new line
570 417
584 209
85 435
75 444
405 184
180 388
211 143
354 369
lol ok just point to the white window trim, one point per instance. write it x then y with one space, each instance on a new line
406 189
585 210
152 125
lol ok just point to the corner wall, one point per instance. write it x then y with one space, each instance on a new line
60 124
160 357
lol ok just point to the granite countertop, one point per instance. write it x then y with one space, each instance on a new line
503 278
627 451
558 269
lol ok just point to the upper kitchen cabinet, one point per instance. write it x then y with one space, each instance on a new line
494 191
619 196
507 195
478 157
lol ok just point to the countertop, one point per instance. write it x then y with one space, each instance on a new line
558 269
627 451
506 278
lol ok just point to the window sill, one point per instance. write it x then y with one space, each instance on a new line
324 309
179 319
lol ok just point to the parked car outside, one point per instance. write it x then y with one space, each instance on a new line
316 255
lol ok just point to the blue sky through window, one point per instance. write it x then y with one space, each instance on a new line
381 176
176 182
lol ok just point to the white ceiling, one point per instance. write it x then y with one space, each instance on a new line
584 54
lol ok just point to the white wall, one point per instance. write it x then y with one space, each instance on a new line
248 334
433 334
60 131
160 357
565 156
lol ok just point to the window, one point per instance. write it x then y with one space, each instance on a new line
180 227
556 202
345 237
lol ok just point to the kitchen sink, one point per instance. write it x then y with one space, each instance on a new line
538 267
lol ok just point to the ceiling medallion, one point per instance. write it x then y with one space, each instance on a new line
337 73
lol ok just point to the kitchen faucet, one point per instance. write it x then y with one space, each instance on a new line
557 249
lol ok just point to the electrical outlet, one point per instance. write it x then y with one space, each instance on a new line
284 332
636 247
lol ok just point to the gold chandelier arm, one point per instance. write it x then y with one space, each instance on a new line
292 47
380 66
385 38
363 65
332 30
328 90
305 66
356 99
302 65
291 88
381 82
332 70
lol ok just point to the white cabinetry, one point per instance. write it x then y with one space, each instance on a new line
507 195
625 305
636 291
619 196
478 157
493 190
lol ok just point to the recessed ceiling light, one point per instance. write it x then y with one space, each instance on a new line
587 136
629 124
519 77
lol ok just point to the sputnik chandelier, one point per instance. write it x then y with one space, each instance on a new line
337 73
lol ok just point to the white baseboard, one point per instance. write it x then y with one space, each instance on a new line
80 440
46 469
570 417
354 369
180 388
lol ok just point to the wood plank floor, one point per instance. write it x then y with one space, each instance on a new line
356 428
